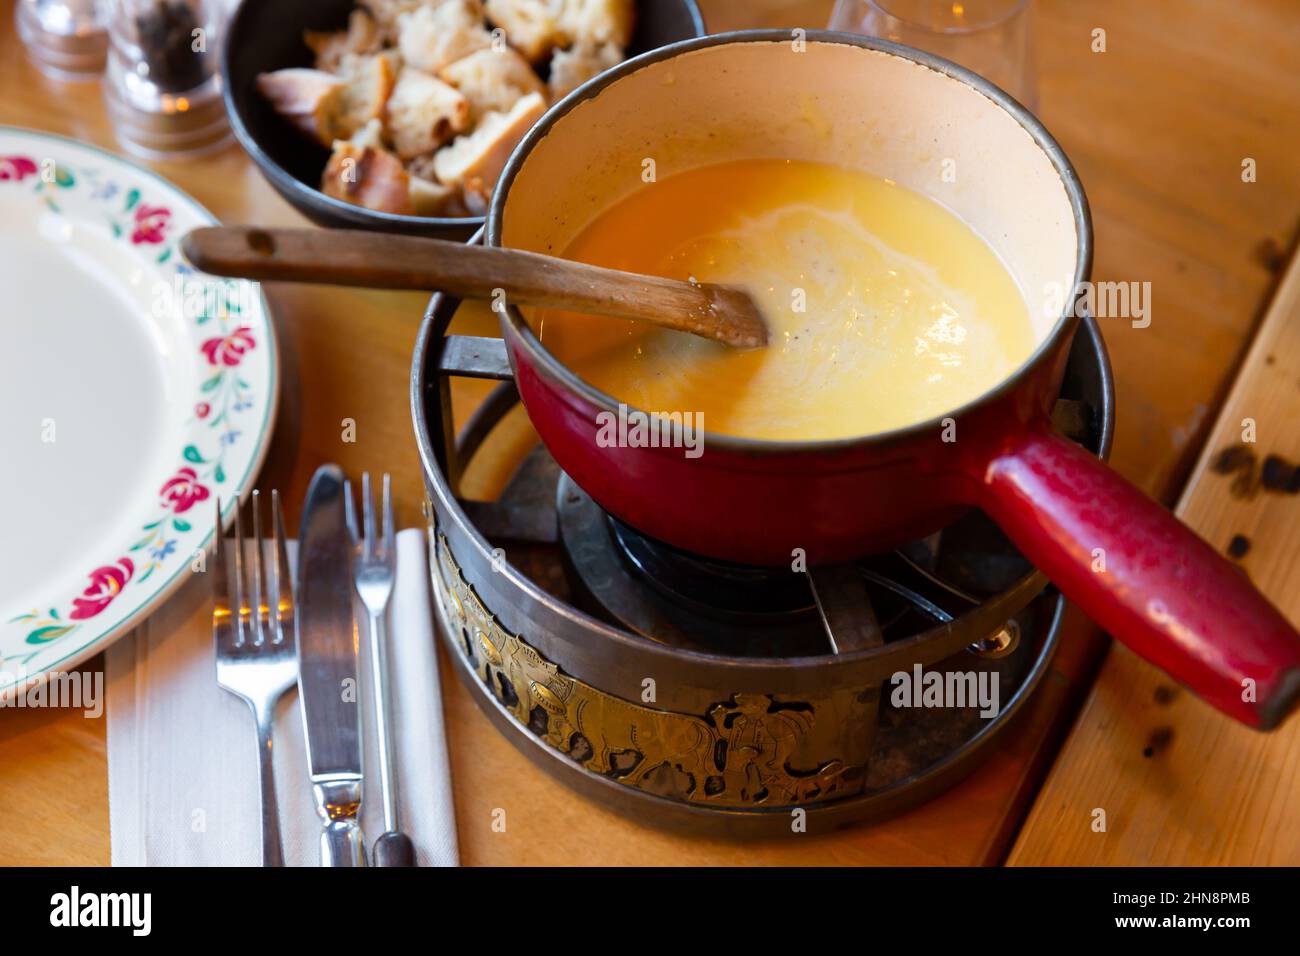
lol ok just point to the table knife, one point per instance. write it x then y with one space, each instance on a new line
328 670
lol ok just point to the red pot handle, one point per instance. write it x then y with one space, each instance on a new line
1163 591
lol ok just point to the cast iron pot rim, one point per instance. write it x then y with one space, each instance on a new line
551 368
286 182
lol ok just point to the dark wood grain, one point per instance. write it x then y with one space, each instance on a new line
377 260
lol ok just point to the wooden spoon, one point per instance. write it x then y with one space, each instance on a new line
382 261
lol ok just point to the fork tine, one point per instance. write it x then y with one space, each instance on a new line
261 597
220 586
242 634
389 551
283 580
350 511
250 664
368 515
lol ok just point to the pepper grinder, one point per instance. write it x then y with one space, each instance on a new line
162 84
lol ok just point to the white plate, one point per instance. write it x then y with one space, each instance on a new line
134 393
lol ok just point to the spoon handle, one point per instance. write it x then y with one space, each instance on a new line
383 261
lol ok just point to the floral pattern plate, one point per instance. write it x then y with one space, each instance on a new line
134 393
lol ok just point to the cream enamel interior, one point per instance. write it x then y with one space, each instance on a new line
833 102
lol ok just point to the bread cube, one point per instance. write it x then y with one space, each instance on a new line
474 161
310 99
433 199
432 37
493 80
370 81
372 135
369 177
386 12
572 67
424 113
597 22
532 26
361 36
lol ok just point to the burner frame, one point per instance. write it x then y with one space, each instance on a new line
583 650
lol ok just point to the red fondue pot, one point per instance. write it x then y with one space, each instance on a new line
906 116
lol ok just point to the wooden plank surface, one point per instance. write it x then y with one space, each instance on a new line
1179 783
1157 127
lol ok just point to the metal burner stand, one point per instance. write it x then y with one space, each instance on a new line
713 719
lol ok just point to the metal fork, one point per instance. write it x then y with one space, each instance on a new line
253 629
374 572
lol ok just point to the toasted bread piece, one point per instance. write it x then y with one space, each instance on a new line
386 12
422 166
432 37
372 135
572 67
493 80
352 64
366 176
424 113
532 26
474 161
449 199
432 199
361 36
370 81
597 22
310 99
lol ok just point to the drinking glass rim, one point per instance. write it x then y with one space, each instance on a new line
883 7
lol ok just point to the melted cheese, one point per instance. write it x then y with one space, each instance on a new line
885 309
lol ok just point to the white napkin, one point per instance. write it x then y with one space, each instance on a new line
182 752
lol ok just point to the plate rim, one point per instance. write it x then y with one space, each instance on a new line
23 683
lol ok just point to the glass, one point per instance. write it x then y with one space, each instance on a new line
991 37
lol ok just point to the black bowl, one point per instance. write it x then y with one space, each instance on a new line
266 35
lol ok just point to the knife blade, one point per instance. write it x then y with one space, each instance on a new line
328 669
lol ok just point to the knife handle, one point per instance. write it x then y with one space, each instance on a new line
394 849
338 801
341 844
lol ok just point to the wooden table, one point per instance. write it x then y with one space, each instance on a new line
1158 127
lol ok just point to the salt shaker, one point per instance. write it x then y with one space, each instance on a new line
66 39
162 84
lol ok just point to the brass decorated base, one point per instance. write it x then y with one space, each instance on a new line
740 753
748 761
